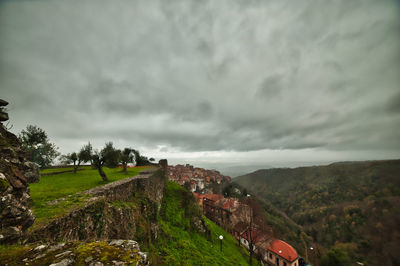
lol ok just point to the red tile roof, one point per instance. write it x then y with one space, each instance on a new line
213 197
283 249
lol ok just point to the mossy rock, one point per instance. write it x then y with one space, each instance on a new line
103 252
79 253
4 184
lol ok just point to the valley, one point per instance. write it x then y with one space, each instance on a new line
349 209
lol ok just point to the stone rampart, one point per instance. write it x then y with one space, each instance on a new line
112 211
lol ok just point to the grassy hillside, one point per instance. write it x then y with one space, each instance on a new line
180 242
351 209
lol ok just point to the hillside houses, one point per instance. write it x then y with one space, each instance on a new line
196 179
234 216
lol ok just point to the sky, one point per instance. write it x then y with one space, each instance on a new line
213 83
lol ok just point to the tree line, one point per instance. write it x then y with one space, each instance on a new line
40 150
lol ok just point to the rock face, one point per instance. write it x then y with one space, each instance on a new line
15 174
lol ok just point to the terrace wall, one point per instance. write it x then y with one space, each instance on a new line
139 199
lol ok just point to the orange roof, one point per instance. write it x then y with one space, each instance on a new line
283 249
213 197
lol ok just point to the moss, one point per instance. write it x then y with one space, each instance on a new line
101 251
4 184
124 204
98 223
11 254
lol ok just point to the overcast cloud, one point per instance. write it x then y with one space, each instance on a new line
207 81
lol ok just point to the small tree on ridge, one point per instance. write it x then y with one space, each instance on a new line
108 156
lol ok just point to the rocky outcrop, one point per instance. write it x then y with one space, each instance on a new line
125 209
111 252
3 113
16 172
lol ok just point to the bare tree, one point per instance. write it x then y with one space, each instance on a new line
257 223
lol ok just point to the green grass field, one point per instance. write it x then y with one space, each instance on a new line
54 170
66 185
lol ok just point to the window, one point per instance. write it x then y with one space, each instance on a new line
284 264
270 255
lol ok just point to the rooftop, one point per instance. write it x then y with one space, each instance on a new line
283 249
213 197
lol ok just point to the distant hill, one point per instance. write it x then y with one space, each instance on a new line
238 170
352 209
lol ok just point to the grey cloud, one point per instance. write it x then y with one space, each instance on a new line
270 87
393 104
205 76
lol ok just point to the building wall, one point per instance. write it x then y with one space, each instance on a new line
270 258
244 242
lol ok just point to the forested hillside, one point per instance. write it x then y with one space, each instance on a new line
351 208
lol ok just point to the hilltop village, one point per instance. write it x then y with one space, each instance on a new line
195 179
234 215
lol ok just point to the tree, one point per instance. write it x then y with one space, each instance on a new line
111 154
335 256
256 220
84 155
86 152
36 143
70 158
127 156
108 156
139 159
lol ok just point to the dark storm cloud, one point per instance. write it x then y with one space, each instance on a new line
205 76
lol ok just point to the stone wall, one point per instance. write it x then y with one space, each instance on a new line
151 183
15 174
112 211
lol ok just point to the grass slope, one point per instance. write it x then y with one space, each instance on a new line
66 185
179 243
